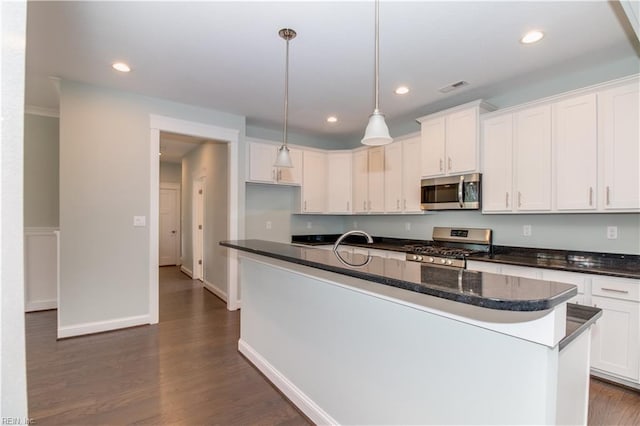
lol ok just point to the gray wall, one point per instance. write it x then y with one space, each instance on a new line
296 138
41 159
209 161
560 231
170 172
104 260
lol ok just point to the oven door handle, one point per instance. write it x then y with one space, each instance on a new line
460 189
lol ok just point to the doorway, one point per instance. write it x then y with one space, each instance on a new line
169 253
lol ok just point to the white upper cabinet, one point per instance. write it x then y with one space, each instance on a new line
262 157
620 147
497 177
575 145
411 173
532 153
360 181
376 179
314 182
450 140
339 182
393 202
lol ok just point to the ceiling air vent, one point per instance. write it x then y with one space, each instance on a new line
453 86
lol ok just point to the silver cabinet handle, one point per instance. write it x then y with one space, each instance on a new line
590 196
305 205
460 189
279 174
364 205
405 203
449 163
397 204
519 199
615 290
441 164
607 196
273 174
347 206
506 199
369 205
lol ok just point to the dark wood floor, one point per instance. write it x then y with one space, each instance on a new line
185 370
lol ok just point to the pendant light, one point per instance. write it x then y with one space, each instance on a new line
284 157
377 132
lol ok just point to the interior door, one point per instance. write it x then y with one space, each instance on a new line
169 242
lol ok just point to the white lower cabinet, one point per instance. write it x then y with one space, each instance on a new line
615 347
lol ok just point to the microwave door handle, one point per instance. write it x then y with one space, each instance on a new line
460 189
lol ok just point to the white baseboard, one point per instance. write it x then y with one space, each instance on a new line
186 271
40 305
299 399
215 290
100 326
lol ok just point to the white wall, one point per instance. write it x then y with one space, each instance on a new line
41 159
104 183
13 378
170 172
209 160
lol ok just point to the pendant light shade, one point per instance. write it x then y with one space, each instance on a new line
284 157
377 132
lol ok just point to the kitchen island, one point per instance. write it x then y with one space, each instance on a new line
395 342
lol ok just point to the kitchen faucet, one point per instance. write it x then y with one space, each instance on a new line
354 232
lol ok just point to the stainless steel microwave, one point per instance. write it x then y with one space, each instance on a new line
461 192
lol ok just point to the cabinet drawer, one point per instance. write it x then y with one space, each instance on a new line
616 288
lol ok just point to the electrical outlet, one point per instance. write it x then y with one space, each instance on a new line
526 230
612 232
268 224
355 224
407 226
139 221
309 225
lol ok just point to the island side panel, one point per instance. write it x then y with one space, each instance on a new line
358 359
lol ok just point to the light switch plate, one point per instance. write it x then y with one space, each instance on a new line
140 221
612 232
526 230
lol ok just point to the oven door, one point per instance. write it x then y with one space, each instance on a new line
451 193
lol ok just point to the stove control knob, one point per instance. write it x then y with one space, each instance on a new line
449 262
430 259
420 258
442 261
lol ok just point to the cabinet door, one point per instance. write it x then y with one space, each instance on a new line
261 159
575 146
292 175
411 174
376 179
532 133
393 177
433 140
461 146
619 115
314 182
339 182
497 178
360 181
614 346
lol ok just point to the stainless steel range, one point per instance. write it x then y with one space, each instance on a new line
451 246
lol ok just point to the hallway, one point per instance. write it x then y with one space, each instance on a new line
184 370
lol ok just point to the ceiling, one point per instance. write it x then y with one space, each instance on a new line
228 56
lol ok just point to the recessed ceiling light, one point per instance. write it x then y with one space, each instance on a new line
402 90
121 66
332 119
532 37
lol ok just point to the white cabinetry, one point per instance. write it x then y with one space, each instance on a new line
450 140
618 114
339 182
532 154
314 182
616 336
575 145
497 179
262 157
368 180
411 173
393 202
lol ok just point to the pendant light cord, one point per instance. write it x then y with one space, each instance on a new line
286 94
377 55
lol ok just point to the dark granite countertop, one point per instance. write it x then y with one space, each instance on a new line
610 264
616 265
469 287
579 319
